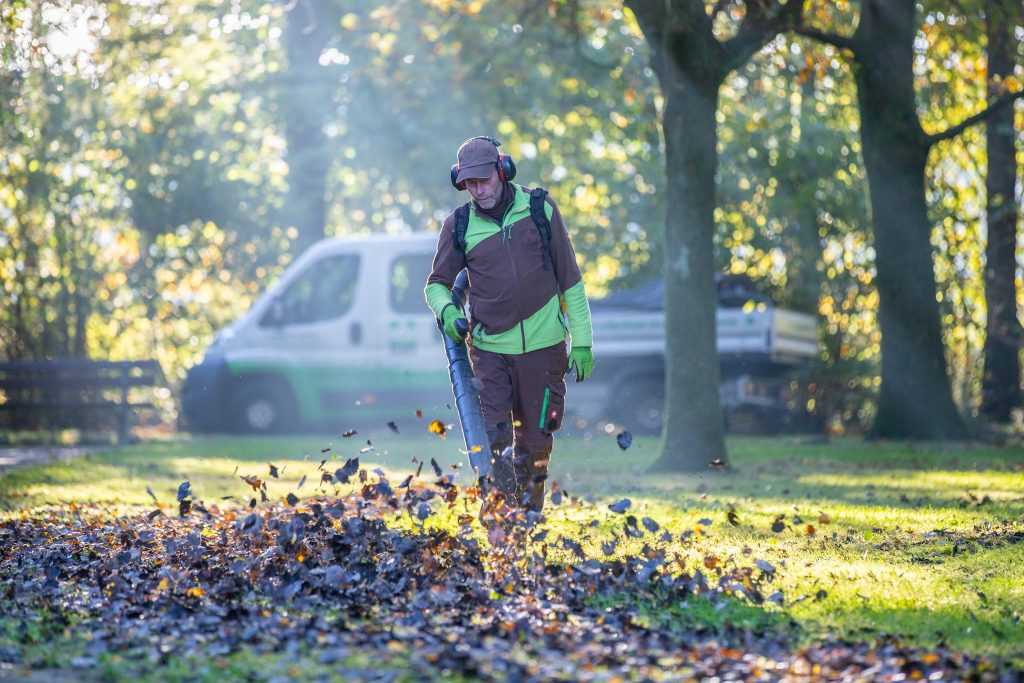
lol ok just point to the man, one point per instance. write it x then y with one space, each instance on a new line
518 283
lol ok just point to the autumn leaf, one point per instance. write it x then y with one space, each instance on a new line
620 506
252 480
437 427
342 474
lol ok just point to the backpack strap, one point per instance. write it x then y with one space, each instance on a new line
540 218
461 224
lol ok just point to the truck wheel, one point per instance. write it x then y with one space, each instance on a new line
642 407
261 409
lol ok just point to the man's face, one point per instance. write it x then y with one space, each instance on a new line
485 191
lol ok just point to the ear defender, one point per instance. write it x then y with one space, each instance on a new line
455 174
506 166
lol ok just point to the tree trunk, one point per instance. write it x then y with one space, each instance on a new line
687 60
694 425
803 286
691 65
1000 386
305 98
915 399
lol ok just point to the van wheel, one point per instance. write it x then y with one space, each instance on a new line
642 407
261 409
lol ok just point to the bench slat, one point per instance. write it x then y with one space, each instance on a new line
76 387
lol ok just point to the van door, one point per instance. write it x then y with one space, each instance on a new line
413 353
320 341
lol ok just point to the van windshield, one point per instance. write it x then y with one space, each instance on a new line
323 291
408 278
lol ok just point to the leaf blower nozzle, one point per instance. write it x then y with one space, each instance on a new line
467 400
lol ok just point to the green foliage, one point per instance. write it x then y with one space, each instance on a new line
145 174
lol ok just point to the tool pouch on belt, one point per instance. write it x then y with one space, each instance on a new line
554 402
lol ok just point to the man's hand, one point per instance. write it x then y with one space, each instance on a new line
451 314
583 358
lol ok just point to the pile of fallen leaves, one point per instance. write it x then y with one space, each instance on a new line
369 570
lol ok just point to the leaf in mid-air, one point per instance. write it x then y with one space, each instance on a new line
620 506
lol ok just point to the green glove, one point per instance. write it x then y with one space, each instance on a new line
451 314
583 358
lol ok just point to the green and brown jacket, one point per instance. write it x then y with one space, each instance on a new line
515 302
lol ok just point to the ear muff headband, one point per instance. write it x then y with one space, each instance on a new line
506 165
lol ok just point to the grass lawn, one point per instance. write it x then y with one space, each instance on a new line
922 542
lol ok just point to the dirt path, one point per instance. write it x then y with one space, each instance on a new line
36 455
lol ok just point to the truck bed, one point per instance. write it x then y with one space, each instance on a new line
758 333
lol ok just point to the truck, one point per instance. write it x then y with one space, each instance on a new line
344 338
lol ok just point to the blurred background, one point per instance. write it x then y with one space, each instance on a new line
163 161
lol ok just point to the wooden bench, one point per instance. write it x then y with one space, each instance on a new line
74 393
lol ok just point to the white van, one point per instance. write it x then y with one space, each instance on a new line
344 339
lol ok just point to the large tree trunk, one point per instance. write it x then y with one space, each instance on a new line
1000 386
306 97
915 399
694 425
691 65
687 60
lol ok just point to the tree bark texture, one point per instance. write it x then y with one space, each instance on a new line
692 64
694 423
915 400
1001 391
305 98
687 69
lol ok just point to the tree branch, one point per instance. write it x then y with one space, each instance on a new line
842 42
579 40
652 16
1000 102
761 22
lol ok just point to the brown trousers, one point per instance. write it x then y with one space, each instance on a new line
522 396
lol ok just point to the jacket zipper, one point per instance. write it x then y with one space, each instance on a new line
506 237
506 230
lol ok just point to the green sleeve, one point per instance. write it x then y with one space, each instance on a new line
438 296
579 315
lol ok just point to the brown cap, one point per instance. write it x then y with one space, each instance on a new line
477 158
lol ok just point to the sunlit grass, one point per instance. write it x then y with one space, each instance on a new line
921 542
